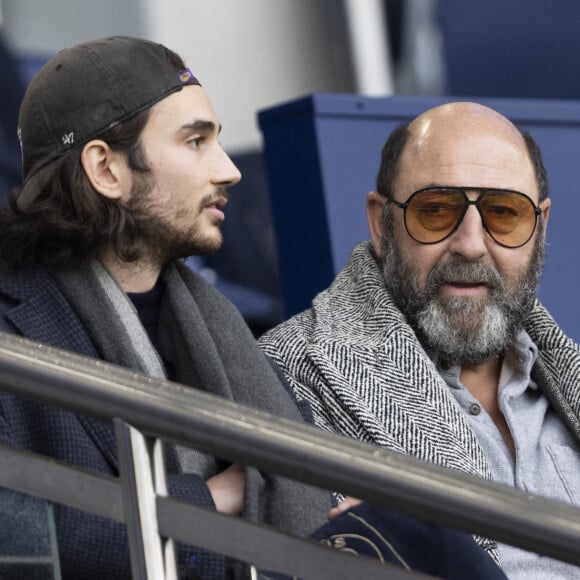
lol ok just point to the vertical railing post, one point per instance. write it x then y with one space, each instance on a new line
142 474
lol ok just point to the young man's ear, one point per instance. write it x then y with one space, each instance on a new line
374 208
107 170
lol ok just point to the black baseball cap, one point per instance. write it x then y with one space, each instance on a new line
88 89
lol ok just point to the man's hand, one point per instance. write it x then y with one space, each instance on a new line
344 506
227 490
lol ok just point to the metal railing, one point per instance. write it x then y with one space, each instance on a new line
145 409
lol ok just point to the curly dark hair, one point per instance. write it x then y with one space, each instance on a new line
397 140
69 221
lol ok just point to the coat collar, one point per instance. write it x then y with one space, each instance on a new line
402 403
358 331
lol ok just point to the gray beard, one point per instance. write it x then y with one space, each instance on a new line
462 330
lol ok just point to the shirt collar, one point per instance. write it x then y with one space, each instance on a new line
519 357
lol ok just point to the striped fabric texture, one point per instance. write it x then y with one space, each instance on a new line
354 358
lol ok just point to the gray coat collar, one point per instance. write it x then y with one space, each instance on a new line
354 330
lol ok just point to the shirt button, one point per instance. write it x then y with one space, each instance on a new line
474 409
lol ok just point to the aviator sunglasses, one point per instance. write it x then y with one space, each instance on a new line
432 214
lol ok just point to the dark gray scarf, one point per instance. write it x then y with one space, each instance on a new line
211 347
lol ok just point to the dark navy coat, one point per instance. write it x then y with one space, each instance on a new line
32 306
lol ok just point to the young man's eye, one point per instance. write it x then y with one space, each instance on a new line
196 142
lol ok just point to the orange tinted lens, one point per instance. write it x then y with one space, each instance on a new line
432 215
510 217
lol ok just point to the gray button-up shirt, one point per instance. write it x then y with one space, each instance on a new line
547 458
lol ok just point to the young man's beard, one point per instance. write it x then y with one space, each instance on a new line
462 330
156 236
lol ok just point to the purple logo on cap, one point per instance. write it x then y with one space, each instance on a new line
186 75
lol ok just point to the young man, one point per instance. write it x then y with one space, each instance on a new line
430 342
123 176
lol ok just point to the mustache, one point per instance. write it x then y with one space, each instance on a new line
463 271
219 194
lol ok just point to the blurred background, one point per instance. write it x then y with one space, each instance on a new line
253 54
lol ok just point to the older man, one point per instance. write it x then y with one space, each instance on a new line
431 341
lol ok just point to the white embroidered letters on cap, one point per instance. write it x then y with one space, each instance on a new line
68 138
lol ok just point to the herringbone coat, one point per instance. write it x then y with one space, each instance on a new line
354 358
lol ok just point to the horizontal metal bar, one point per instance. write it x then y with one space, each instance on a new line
47 478
233 537
248 436
287 554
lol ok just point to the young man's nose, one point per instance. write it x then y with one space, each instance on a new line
226 172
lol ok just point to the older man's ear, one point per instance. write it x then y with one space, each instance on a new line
375 207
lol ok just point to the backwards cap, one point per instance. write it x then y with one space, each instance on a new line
89 88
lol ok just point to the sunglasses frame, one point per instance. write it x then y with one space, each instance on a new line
463 190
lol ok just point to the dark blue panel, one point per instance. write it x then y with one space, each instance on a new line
323 153
515 48
302 233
